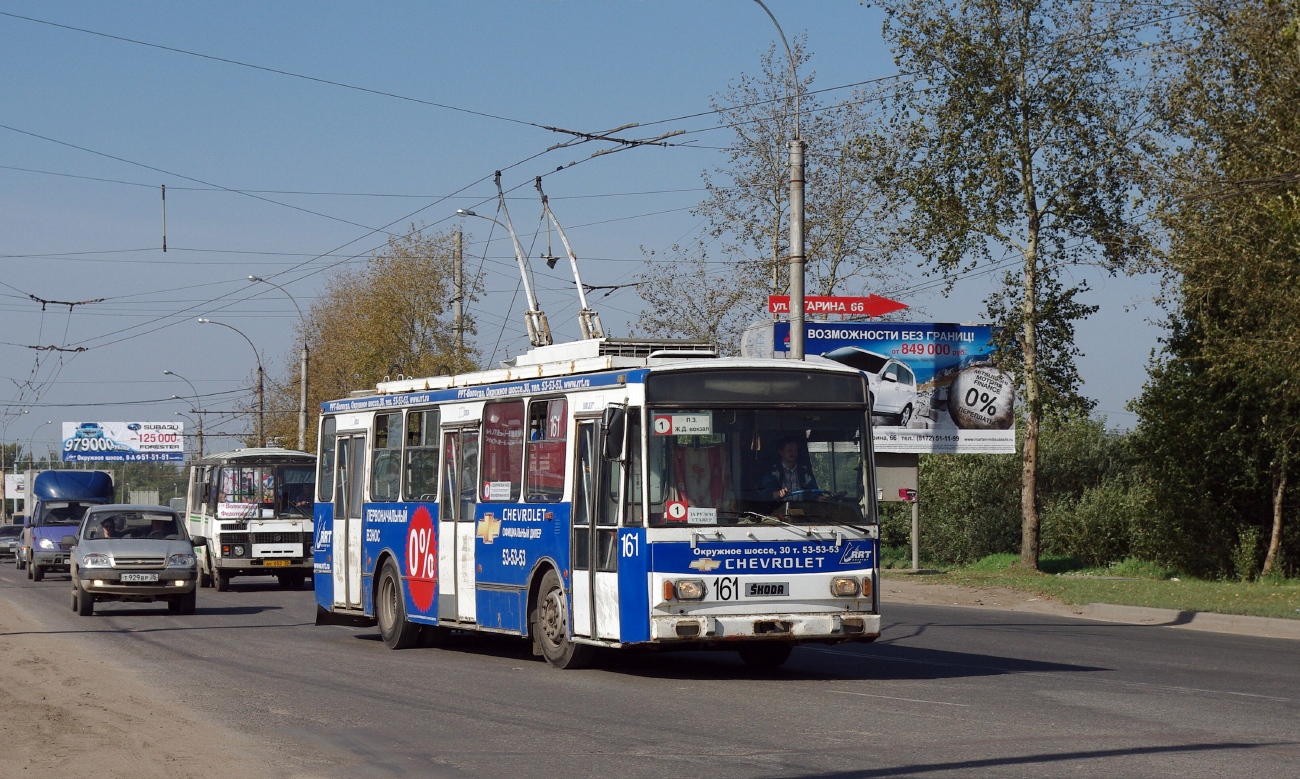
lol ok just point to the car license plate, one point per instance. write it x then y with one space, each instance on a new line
767 589
276 563
139 577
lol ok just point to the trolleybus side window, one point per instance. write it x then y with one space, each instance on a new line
459 474
325 474
596 500
503 450
547 446
386 456
421 455
632 512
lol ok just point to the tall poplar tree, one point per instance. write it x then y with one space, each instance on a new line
1018 135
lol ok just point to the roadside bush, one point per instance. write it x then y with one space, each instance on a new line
1245 555
1097 527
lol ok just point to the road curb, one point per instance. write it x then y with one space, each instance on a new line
1259 627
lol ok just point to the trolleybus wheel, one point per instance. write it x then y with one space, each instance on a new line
765 656
397 632
551 626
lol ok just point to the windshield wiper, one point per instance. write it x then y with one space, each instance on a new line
768 518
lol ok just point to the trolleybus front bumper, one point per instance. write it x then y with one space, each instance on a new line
788 627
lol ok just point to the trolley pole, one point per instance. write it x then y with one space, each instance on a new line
797 147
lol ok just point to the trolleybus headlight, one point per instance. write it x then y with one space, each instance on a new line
844 587
866 586
690 589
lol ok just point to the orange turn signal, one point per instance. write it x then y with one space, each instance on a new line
669 592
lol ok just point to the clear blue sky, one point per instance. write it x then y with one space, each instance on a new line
583 65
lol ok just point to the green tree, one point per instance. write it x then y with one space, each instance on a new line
1018 136
389 317
1231 206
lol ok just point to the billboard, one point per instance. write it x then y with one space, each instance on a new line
934 386
123 442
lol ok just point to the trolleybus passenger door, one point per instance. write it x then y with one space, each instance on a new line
457 596
594 551
349 481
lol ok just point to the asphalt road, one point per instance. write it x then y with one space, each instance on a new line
945 692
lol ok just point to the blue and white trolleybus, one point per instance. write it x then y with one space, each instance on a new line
605 493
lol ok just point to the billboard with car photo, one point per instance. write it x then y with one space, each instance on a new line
933 385
123 441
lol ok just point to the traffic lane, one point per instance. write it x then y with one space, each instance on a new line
931 697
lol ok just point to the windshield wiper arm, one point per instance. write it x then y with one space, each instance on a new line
768 518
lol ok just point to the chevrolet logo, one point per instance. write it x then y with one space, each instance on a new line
489 527
705 564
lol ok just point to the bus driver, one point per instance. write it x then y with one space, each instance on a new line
789 475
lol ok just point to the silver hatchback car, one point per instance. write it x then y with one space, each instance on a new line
133 553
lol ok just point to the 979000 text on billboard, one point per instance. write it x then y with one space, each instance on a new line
123 442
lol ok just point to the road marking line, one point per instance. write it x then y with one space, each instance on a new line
892 698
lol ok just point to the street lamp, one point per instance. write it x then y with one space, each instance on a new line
30 441
261 393
797 147
197 403
302 384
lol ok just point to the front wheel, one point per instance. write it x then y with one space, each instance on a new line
183 604
205 573
84 602
221 580
38 573
550 623
905 416
394 628
18 561
765 656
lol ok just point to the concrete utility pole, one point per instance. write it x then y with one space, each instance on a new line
797 147
458 282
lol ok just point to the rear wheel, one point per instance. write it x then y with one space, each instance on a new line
85 602
221 580
550 623
397 632
765 656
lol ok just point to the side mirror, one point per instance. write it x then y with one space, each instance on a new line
69 541
198 541
615 432
891 377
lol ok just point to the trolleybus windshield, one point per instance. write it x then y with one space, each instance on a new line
712 466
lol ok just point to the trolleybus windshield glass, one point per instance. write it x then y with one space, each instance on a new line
739 467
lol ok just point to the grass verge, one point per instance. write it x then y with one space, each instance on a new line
1131 583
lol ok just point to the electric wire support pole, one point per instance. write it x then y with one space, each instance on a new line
797 147
588 320
539 331
458 283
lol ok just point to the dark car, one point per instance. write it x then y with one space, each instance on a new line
133 553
